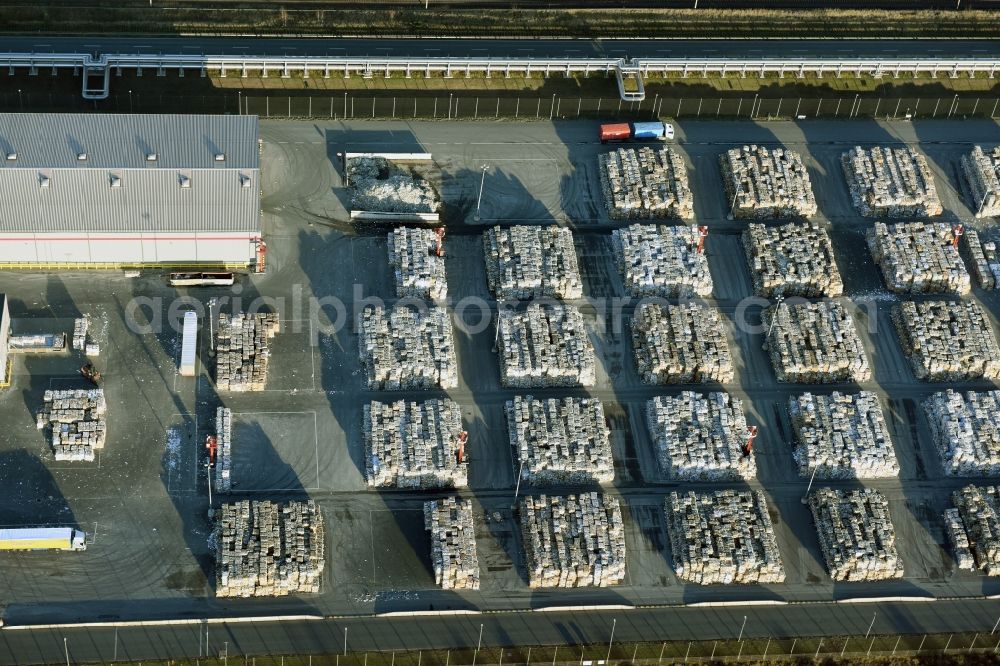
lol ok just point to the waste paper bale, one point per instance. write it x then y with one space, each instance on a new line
646 182
856 534
223 471
76 421
243 350
414 445
792 260
544 346
526 262
560 440
678 344
723 537
978 509
661 261
453 543
417 268
947 341
982 173
408 349
383 186
763 183
891 182
966 430
983 257
961 549
919 258
814 343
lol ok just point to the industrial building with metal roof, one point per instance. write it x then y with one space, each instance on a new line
99 190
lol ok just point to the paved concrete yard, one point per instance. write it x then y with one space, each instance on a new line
144 502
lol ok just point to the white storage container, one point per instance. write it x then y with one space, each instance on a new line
189 344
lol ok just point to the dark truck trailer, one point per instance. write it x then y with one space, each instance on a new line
636 132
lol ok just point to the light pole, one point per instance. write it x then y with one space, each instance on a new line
345 641
479 200
130 108
517 488
742 628
874 615
208 472
20 100
805 498
774 318
478 645
239 102
65 646
614 621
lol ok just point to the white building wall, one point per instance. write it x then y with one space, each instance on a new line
211 248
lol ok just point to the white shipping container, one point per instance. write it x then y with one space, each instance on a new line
189 344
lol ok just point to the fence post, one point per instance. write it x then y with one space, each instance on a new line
652 112
846 641
635 651
895 114
289 106
579 105
934 115
331 107
435 107
974 107
599 100
896 645
836 113
818 648
555 652
538 110
352 107
698 112
310 106
877 102
792 650
971 645
947 645
373 107
688 652
475 111
739 654
552 106
679 102
777 113
714 645
393 107
267 106
993 114
871 646
517 107
718 111
498 108
818 106
739 107
414 107
921 646
662 648
528 660
797 105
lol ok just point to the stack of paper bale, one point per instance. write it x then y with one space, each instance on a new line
409 349
701 437
947 341
264 549
961 549
766 183
380 185
224 449
792 260
815 343
544 346
677 344
966 430
417 267
532 261
724 537
453 543
242 348
856 534
982 172
573 541
842 436
560 440
919 257
414 445
645 183
983 256
979 513
80 327
661 261
891 182
77 423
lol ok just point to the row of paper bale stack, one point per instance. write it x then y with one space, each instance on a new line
984 260
453 543
723 537
544 346
891 182
767 183
526 262
978 509
856 534
815 343
264 549
792 260
224 449
982 172
701 437
645 183
80 327
242 347
573 540
560 440
676 344
380 185
408 349
414 444
661 261
959 540
919 258
842 436
417 267
77 420
966 431
947 341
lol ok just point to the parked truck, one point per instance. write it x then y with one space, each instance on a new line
42 538
636 132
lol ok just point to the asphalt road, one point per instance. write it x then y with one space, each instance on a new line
555 48
505 629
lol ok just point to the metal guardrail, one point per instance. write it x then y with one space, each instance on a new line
99 67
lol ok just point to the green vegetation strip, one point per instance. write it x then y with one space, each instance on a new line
134 17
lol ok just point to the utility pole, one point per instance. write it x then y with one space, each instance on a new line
742 628
805 498
65 646
517 488
874 615
482 182
478 645
208 471
345 641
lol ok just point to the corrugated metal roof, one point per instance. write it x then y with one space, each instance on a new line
51 140
146 200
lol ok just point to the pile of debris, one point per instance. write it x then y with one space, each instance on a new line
573 541
532 261
415 445
409 349
223 449
417 262
815 343
78 423
983 255
961 548
645 183
379 185
856 534
453 543
723 537
545 346
842 436
677 344
701 437
982 172
661 261
266 549
978 509
792 260
767 183
560 440
919 257
966 431
243 351
947 341
891 182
